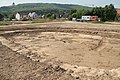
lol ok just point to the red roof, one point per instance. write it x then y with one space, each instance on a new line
118 11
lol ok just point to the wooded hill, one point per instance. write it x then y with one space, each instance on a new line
42 8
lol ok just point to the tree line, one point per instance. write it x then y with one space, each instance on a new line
107 13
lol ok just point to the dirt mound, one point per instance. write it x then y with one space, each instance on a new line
14 66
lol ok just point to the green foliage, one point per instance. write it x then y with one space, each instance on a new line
41 8
48 15
12 16
73 11
5 15
117 17
51 16
99 11
78 13
110 12
100 22
107 13
75 15
1 17
83 12
37 22
3 24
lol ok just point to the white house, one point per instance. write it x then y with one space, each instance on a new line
43 16
18 17
29 15
21 16
33 15
73 19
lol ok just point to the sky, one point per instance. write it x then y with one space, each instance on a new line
79 2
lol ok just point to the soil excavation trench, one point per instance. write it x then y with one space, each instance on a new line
94 53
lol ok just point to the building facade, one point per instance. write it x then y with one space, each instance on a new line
24 16
18 17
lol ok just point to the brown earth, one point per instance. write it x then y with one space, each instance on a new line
60 51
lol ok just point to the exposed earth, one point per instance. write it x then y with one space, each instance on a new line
60 51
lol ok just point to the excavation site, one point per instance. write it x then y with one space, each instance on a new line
60 51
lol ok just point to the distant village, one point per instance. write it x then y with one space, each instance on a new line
33 15
73 15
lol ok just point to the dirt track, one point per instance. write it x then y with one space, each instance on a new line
69 50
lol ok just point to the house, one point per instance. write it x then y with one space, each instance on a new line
18 17
29 15
33 15
43 16
25 16
21 16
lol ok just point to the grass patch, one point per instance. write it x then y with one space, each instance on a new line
107 22
98 22
3 24
37 22
114 21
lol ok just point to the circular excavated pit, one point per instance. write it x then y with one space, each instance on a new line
68 48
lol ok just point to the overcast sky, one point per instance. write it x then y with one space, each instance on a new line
80 2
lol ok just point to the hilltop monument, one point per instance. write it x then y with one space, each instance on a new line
13 4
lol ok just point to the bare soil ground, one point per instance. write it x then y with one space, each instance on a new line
60 51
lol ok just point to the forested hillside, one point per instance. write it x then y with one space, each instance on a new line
41 8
